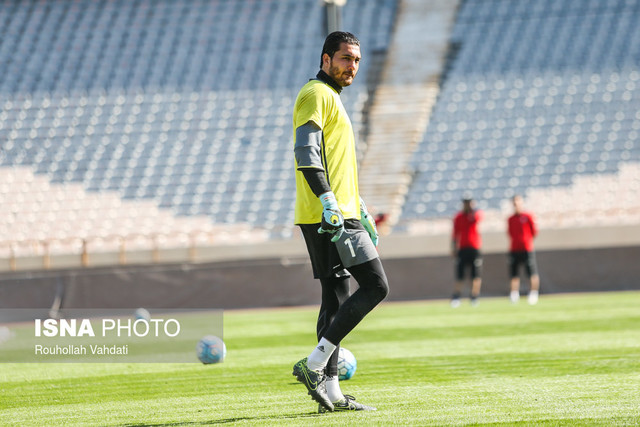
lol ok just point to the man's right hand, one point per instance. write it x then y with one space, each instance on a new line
332 219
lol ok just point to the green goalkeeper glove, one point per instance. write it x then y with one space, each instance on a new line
368 222
332 219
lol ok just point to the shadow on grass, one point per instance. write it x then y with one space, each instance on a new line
230 420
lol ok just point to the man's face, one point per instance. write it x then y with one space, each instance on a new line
517 204
344 65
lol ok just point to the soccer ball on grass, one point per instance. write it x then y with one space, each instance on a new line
347 364
211 349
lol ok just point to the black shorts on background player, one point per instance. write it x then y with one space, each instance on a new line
468 258
528 259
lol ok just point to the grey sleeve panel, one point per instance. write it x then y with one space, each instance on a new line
308 146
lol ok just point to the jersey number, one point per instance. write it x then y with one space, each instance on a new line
348 243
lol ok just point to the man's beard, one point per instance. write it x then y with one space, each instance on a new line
339 77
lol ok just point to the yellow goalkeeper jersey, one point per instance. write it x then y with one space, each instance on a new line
320 103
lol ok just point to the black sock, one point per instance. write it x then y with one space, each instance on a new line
335 292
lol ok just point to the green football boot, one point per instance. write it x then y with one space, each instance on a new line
315 382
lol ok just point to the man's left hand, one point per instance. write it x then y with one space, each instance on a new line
368 222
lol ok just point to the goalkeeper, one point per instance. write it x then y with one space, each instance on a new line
340 234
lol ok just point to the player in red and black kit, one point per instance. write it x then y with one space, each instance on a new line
465 246
522 231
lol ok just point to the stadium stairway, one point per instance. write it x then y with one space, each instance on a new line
402 103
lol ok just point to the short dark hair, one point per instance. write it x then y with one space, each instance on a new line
333 41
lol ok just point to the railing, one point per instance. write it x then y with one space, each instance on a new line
123 245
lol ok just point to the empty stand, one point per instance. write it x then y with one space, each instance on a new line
174 111
36 212
537 94
169 118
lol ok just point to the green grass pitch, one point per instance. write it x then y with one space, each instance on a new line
573 359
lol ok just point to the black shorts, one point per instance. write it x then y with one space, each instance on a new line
329 259
471 258
528 259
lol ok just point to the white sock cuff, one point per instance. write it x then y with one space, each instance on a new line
333 389
328 345
320 355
